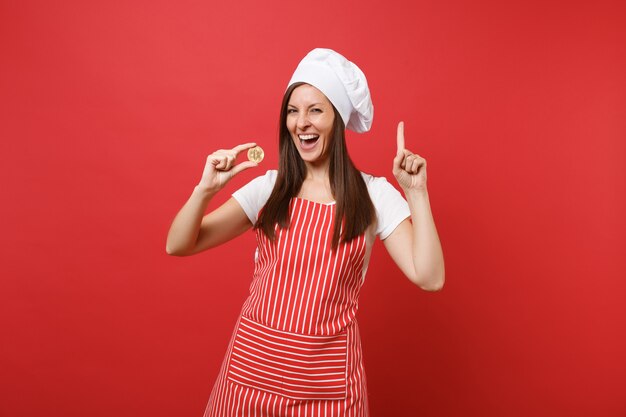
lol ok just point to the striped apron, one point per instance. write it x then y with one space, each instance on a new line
296 350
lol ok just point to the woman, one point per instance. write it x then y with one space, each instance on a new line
296 348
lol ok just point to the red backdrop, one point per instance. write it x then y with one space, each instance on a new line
108 110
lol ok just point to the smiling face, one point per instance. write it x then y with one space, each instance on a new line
310 118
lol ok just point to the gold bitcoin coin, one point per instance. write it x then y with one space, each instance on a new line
256 154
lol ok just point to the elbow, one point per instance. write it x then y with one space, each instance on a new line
432 287
174 251
432 284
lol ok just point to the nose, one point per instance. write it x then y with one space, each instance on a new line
303 121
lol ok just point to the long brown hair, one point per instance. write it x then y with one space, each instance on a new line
354 208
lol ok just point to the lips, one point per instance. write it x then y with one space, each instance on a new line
308 142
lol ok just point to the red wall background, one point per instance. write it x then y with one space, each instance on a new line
108 110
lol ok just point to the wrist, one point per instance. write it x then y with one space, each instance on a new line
422 191
204 192
416 194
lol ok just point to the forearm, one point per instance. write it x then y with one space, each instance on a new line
426 251
185 228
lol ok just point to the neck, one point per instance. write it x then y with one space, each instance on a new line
318 172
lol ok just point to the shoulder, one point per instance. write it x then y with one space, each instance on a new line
268 179
391 208
253 196
259 185
377 185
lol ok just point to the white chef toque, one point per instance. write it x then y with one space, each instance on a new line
342 82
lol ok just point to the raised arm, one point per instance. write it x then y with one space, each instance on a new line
414 245
192 231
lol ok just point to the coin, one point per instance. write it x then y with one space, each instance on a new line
256 154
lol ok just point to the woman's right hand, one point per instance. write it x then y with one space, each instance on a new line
220 167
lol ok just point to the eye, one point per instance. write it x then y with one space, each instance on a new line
316 110
289 111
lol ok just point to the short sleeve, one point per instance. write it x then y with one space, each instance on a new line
391 207
253 196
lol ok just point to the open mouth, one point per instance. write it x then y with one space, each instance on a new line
308 141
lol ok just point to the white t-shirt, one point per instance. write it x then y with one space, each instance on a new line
391 207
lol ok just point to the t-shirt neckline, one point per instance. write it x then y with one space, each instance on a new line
317 202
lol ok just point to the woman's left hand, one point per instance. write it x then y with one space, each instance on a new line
408 168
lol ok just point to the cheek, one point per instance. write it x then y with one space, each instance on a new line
329 126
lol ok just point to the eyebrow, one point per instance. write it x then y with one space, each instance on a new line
311 105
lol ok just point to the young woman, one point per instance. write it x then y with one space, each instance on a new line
296 349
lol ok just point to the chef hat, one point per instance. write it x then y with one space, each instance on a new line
342 82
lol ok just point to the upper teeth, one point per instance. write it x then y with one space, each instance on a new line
307 137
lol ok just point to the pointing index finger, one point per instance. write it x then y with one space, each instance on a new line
400 137
243 147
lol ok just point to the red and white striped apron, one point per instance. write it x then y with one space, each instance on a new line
296 349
